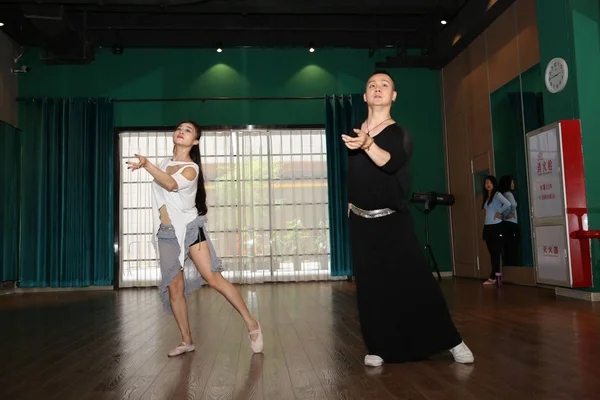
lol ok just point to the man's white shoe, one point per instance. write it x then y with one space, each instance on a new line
462 354
373 361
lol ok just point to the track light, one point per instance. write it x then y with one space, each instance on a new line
117 49
219 47
312 49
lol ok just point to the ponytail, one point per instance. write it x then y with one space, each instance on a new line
195 156
201 191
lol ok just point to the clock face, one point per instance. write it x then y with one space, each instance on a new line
557 74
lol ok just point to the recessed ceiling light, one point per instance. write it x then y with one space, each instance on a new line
1 23
312 49
443 22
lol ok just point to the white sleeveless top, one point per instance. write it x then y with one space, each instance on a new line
180 203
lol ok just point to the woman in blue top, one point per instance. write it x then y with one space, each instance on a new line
494 204
511 227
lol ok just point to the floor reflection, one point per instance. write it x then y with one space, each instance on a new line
249 387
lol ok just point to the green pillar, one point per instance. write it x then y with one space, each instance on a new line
570 29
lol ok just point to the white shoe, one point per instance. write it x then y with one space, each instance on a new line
373 361
462 354
182 348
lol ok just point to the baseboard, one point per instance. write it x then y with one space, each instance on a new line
444 274
577 294
65 289
519 275
7 287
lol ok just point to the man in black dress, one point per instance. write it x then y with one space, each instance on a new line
402 311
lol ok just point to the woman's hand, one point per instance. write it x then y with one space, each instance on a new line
133 165
161 177
510 216
359 142
498 216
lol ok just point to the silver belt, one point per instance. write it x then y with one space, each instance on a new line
371 213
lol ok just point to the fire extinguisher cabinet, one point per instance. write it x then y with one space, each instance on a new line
559 213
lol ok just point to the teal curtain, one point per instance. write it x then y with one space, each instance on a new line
67 193
10 142
341 114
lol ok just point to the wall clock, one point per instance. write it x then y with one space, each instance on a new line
557 74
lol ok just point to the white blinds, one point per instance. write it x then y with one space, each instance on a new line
267 204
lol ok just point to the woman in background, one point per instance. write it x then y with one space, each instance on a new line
510 222
494 204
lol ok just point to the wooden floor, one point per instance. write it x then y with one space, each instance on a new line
113 344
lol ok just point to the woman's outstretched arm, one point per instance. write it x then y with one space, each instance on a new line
162 178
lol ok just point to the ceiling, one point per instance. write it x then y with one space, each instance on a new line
70 30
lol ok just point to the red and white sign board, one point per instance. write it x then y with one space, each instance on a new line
558 205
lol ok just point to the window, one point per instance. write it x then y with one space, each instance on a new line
267 204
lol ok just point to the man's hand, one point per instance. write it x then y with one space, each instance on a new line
358 142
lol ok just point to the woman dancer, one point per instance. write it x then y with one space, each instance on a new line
402 312
187 256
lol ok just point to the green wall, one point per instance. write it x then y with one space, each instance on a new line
570 29
175 73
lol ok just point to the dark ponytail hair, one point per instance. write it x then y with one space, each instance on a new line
505 184
195 156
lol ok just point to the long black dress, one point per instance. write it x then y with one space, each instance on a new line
402 312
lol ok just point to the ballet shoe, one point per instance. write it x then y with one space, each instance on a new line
181 349
257 345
